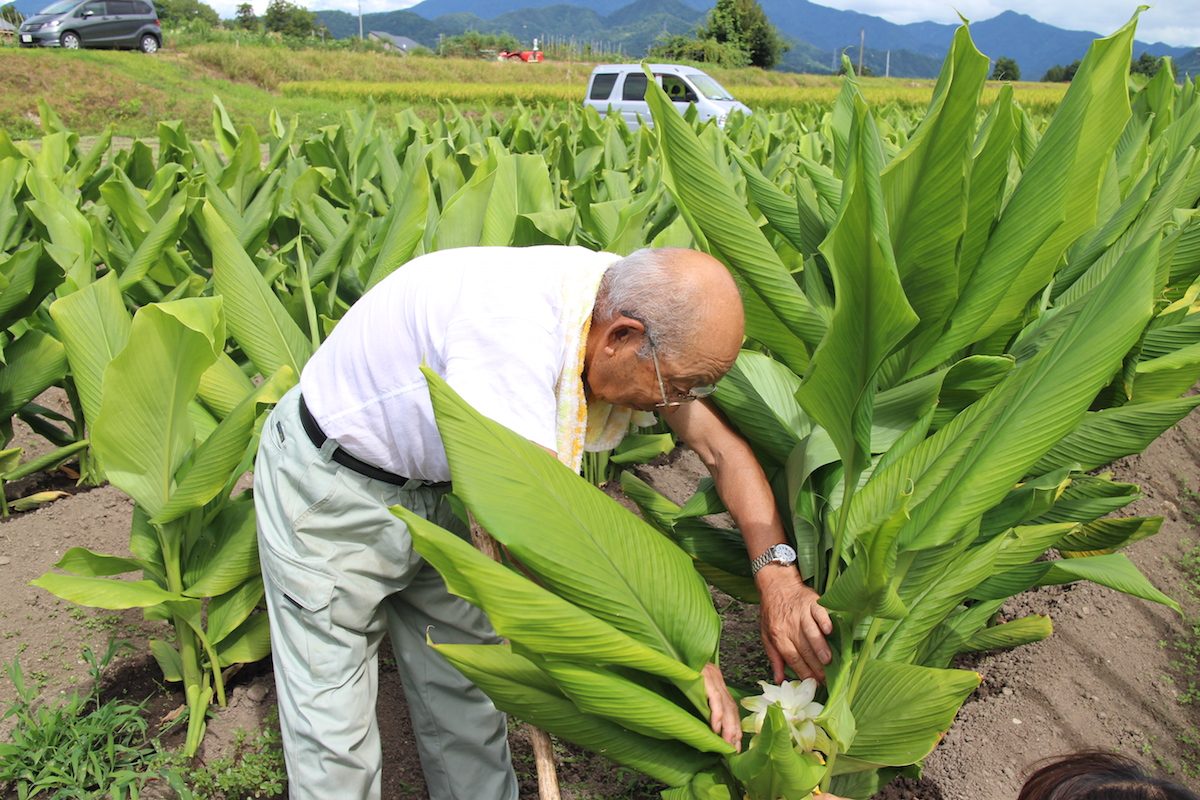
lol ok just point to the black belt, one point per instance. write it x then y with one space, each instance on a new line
318 438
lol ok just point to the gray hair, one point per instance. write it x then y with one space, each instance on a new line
645 287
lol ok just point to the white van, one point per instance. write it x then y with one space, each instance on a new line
623 88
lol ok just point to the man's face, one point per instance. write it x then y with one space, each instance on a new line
654 382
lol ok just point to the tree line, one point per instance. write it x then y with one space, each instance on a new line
1007 69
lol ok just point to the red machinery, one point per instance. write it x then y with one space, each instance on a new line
528 56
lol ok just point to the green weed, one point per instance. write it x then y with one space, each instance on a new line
254 769
80 745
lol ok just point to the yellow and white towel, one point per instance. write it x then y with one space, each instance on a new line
581 426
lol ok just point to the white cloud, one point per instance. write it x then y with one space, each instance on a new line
1172 21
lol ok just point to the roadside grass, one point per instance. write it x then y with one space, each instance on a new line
92 89
1185 649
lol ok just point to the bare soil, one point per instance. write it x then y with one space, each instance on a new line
1106 679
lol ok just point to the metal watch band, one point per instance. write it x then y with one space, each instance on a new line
767 557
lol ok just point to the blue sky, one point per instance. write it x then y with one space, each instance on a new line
1176 22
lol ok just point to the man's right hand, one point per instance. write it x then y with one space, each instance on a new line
793 624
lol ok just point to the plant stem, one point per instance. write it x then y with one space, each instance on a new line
189 654
849 484
310 310
847 652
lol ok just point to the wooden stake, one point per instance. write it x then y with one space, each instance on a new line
543 750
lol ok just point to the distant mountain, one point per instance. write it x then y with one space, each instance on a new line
1189 64
820 33
490 9
342 25
632 28
1036 46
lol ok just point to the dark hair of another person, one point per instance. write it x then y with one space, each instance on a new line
1099 776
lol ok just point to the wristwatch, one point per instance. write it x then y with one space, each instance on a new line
781 554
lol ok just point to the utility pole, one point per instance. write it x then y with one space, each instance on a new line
862 41
360 27
887 70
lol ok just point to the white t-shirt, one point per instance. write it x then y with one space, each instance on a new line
487 319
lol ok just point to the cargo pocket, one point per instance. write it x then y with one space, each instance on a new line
303 632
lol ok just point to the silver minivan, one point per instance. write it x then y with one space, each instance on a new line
622 87
72 24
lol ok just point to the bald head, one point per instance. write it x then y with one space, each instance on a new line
686 299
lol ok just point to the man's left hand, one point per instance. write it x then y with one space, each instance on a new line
793 624
723 712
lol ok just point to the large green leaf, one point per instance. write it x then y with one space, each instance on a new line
404 228
871 314
143 433
1113 570
517 686
1106 435
223 450
225 554
803 229
27 277
81 561
163 235
256 317
993 152
581 544
641 709
249 643
1025 630
94 325
1107 536
1054 202
223 386
758 396
867 587
714 212
69 238
1167 377
34 362
903 710
527 614
925 185
227 611
1173 192
934 585
1087 498
482 212
1037 404
104 592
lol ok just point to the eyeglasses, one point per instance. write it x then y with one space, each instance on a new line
694 393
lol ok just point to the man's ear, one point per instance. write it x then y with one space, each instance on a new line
620 330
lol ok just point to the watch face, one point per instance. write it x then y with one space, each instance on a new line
784 554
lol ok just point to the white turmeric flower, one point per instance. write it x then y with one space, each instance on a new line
795 698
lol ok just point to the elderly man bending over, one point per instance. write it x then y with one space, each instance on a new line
532 338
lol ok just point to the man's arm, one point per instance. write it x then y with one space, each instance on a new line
793 624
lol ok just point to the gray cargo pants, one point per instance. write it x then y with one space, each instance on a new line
339 570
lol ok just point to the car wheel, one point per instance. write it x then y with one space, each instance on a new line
148 44
69 40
